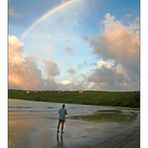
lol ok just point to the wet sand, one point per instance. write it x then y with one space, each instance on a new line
34 129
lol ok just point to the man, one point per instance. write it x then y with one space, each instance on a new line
62 113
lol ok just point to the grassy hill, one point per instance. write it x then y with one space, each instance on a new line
127 99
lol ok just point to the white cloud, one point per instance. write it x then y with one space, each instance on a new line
65 82
107 79
135 25
71 85
117 41
102 63
51 68
121 44
116 67
110 21
24 72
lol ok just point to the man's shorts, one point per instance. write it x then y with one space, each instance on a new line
61 120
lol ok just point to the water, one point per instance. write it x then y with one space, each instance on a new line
33 124
52 108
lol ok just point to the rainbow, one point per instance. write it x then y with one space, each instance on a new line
47 14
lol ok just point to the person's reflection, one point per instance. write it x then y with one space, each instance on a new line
60 140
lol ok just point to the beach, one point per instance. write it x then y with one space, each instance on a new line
34 125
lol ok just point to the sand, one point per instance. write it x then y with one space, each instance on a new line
34 125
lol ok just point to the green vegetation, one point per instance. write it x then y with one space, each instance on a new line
106 117
127 99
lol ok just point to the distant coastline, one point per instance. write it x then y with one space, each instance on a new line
124 99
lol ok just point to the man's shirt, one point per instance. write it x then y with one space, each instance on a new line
62 113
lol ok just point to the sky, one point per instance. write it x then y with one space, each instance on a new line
74 45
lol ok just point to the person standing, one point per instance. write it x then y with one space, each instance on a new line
62 113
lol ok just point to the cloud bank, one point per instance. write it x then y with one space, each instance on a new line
116 68
119 43
24 72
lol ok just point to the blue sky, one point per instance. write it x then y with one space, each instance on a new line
76 39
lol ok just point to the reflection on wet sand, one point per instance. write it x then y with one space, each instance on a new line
60 142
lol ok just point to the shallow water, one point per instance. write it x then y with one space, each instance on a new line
52 108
